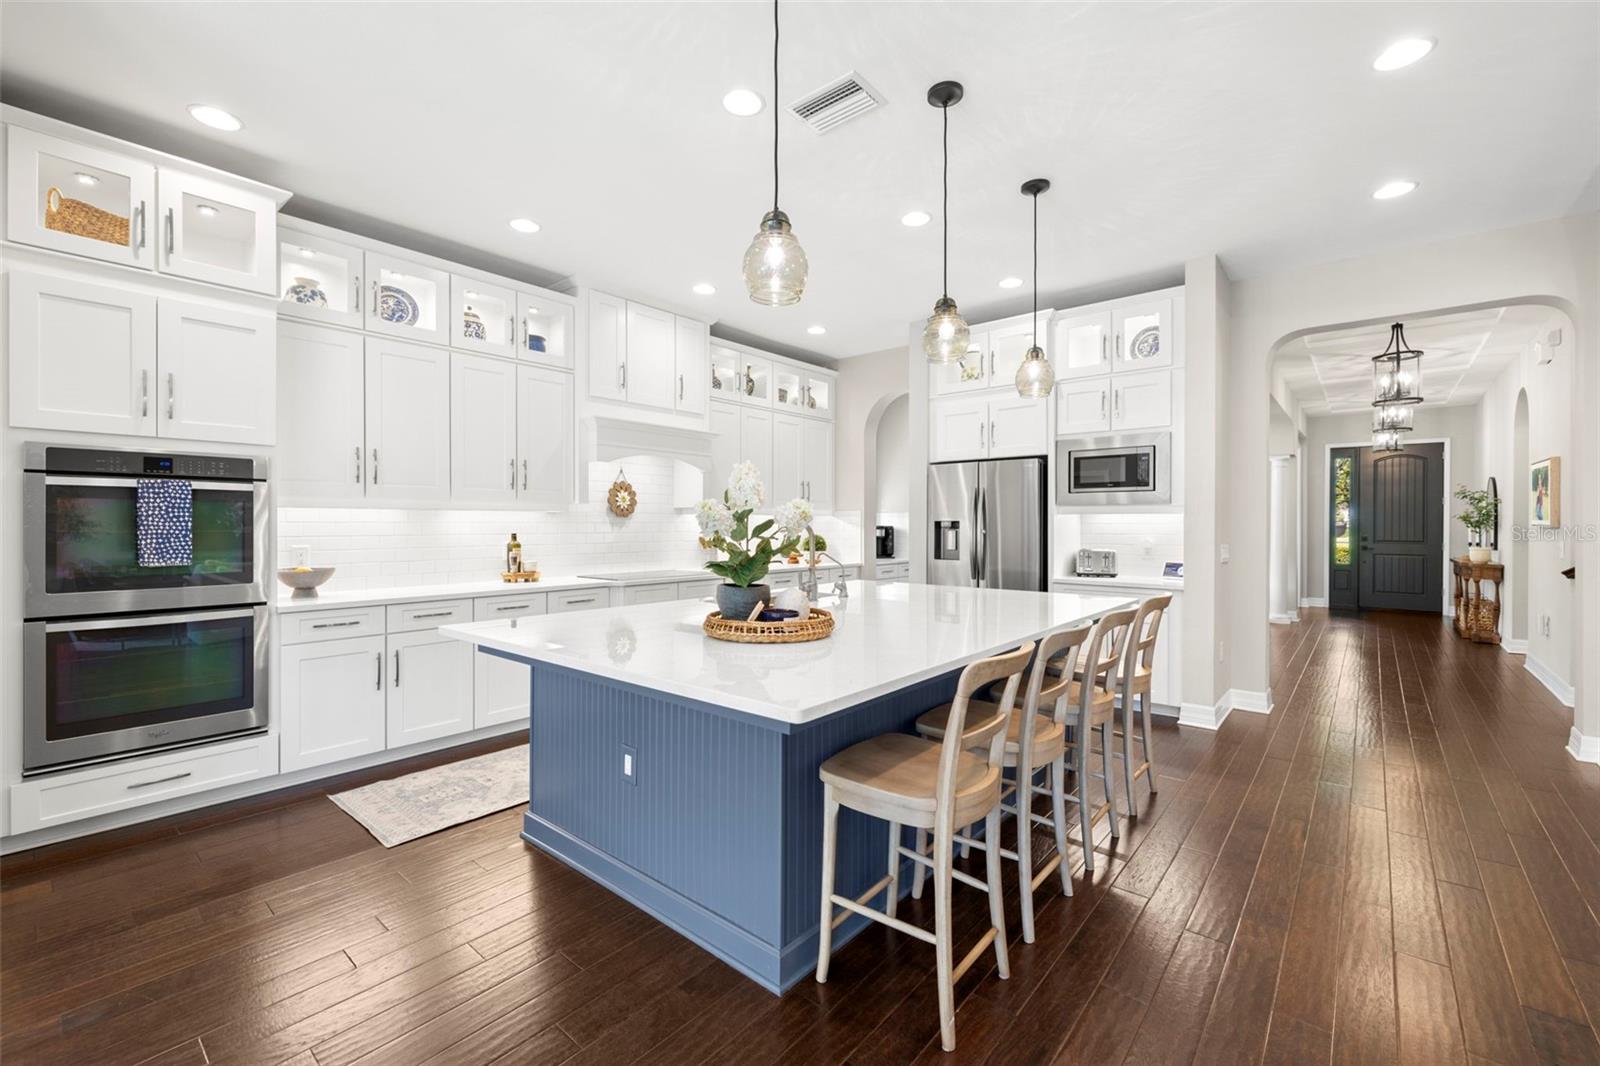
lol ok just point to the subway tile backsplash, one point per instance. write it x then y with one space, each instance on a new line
388 547
1143 542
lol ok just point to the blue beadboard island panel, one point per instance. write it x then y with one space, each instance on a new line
719 834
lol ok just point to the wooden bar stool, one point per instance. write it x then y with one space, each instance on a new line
907 780
1035 741
1136 673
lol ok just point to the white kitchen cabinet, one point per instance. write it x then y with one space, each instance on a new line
698 590
608 346
756 435
1082 345
1142 335
649 377
637 594
786 470
319 279
589 599
968 374
1018 426
958 428
1141 401
816 463
691 356
218 373
1083 407
501 688
483 429
430 687
408 421
788 387
483 316
545 465
547 332
406 299
1008 347
331 699
820 391
321 430
82 356
216 231
740 377
725 420
52 183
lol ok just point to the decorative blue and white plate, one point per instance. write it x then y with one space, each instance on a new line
1146 343
396 305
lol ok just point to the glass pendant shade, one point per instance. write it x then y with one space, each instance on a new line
946 337
775 265
1035 377
1397 373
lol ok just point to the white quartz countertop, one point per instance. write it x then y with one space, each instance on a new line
1124 581
886 637
285 604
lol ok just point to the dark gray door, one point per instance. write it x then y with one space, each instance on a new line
1344 472
1400 523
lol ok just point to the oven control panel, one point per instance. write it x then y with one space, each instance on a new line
138 464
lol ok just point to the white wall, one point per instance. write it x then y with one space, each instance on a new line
894 458
1207 513
1458 425
868 384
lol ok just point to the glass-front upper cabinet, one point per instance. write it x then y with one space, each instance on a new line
1142 335
819 394
406 299
319 279
788 388
217 232
483 316
78 199
546 330
1082 345
965 374
737 375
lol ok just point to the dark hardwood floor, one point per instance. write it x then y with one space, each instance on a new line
1400 864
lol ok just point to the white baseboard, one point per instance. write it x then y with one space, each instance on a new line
1313 601
1548 678
1514 647
1209 716
1582 748
1254 702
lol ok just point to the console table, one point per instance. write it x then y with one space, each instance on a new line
1477 618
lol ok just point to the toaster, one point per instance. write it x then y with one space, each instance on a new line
1097 562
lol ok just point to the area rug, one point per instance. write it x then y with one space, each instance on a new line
405 808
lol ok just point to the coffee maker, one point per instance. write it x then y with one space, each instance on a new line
885 542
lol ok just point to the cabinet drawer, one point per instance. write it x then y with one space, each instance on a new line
649 594
580 600
697 590
790 580
406 617
299 627
488 608
70 797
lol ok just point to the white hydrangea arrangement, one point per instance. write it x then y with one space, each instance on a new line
725 526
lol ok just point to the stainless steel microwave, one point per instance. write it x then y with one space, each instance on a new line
1127 470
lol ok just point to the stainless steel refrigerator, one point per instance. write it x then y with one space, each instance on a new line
988 524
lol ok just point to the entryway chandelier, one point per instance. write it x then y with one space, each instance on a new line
1397 373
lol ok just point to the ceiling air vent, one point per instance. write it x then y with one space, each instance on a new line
836 103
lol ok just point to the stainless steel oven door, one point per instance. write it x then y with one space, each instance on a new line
99 689
1132 470
80 548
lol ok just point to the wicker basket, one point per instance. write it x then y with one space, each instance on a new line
66 215
815 627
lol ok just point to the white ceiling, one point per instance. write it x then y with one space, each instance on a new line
1257 131
1463 353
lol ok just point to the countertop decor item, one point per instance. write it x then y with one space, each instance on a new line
1479 515
397 305
775 265
815 626
621 497
82 219
946 336
305 579
725 527
306 291
1035 376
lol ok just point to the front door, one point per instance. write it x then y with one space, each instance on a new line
1400 526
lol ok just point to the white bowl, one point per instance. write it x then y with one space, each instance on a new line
305 582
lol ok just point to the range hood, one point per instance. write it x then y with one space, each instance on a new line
613 441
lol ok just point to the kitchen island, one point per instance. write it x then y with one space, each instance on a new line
681 772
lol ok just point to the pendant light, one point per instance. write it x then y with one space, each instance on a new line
775 264
946 337
1397 373
1035 376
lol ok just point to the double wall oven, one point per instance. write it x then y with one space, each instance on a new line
121 658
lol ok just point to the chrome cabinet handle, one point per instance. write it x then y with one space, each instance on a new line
434 614
514 607
513 474
1118 346
172 398
170 237
1102 403
336 625
991 434
589 599
511 330
355 293
142 214
358 464
524 342
397 668
680 388
1104 356
622 374
374 466
378 686
524 475
162 780
144 394
1116 403
372 308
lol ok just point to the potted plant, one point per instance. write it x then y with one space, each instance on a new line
749 550
1479 515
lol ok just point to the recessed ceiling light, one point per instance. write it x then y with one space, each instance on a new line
705 288
1010 283
915 218
86 179
214 117
206 211
525 225
816 331
743 102
1390 189
1403 53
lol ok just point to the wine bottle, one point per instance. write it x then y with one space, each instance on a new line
513 555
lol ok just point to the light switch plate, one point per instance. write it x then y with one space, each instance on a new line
300 555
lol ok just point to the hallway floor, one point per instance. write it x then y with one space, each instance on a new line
1401 863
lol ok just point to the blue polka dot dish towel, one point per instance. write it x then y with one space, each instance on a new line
166 522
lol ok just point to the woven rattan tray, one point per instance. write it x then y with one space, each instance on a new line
815 627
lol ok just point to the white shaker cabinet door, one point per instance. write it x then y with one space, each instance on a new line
430 687
483 429
332 700
501 687
545 462
692 357
321 430
1009 346
1142 335
651 378
958 428
1082 345
783 477
215 231
83 357
85 201
725 446
755 446
1083 407
408 421
608 346
1019 426
817 462
1141 401
219 376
